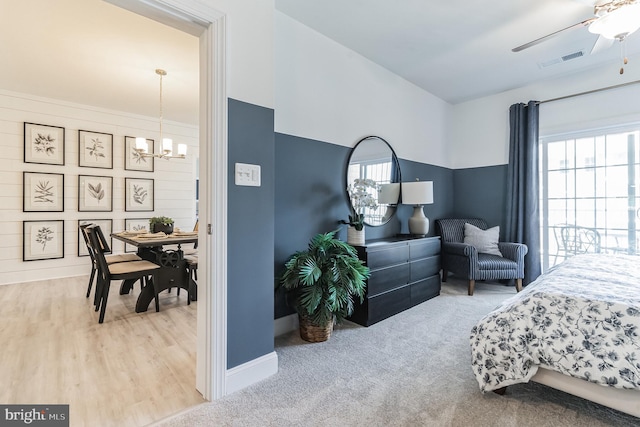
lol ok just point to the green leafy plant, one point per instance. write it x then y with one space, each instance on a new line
164 220
322 281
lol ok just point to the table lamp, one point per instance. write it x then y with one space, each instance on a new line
418 193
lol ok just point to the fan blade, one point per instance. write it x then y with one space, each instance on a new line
548 36
601 44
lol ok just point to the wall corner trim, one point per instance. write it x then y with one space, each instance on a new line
251 372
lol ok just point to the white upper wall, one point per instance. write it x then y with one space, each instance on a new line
326 92
480 136
249 49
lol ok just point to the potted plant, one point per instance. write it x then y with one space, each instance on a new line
321 283
161 223
363 194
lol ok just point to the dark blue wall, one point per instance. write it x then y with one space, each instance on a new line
250 236
311 198
481 193
442 192
303 193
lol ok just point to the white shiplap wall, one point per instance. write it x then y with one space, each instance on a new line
174 180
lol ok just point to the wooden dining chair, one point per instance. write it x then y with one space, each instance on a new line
111 258
192 269
140 270
191 257
194 250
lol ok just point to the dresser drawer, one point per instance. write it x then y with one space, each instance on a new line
424 268
386 279
388 256
387 304
425 289
424 249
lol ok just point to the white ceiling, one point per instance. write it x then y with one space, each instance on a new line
461 49
91 52
94 53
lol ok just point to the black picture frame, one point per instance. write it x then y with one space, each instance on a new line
43 144
139 194
42 240
95 193
42 192
95 149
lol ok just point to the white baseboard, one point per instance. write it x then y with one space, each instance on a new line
251 372
285 324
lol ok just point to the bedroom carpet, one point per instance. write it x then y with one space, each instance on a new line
409 370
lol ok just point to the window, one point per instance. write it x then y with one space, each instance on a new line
590 180
377 170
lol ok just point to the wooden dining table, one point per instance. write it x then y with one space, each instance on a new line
173 271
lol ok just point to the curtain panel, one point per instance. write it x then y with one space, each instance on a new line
523 216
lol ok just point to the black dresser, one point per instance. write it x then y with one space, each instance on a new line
404 272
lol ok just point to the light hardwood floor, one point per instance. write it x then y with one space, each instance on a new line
129 371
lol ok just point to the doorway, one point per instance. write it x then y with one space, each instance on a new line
210 26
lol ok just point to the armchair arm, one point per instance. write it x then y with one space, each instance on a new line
462 249
459 258
513 251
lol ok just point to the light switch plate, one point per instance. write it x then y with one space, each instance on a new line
247 174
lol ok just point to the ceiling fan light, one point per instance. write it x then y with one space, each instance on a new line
619 23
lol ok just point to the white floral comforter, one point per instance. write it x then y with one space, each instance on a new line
581 318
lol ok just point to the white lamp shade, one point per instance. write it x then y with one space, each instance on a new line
389 194
620 22
167 145
182 149
417 193
141 144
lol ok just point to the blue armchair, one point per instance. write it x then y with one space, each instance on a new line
464 260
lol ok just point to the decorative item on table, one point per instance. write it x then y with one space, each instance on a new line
161 224
363 194
321 283
142 147
418 193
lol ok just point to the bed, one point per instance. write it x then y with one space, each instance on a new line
576 328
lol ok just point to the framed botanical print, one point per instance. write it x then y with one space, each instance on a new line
95 193
95 149
137 224
42 192
43 144
138 194
42 240
135 161
105 226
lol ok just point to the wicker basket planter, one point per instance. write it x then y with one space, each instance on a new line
323 283
314 333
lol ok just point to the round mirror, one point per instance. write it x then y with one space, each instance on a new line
374 163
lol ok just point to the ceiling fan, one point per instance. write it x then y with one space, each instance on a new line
613 20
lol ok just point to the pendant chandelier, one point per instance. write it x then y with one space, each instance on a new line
167 144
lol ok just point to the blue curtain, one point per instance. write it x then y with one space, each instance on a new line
523 216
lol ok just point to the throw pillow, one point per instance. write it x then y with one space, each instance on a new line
485 241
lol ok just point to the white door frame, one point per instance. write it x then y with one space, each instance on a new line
210 25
